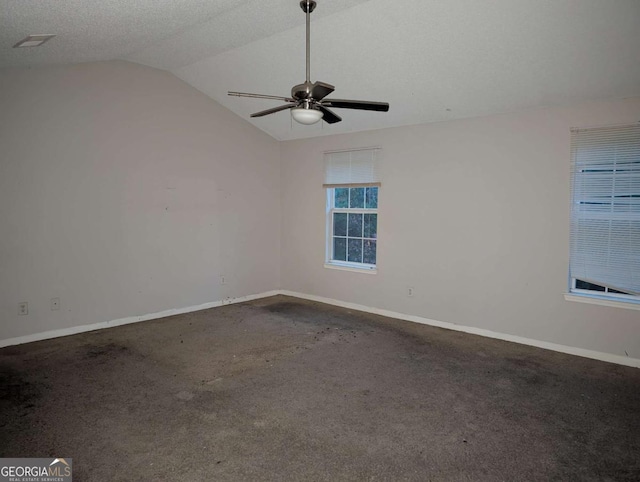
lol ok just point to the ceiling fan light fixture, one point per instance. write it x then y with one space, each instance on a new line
306 115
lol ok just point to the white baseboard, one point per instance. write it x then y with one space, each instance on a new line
596 355
131 319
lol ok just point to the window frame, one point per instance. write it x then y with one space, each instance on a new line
605 296
330 211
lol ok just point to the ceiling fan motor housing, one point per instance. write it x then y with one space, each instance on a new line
302 91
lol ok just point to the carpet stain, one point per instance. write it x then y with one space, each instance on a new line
110 350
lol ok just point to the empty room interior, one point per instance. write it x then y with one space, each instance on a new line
332 240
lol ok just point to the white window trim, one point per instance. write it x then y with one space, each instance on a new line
343 265
584 296
350 267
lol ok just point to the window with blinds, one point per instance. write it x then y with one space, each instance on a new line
352 181
605 212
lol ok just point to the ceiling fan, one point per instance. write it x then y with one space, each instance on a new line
307 102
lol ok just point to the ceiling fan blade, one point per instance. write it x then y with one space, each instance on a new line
328 116
273 110
356 104
260 96
321 89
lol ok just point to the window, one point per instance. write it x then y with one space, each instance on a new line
353 223
352 184
605 213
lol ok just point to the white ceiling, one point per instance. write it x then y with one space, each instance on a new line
432 60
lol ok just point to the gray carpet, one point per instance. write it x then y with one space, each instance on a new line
284 389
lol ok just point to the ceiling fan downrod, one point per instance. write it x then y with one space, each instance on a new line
308 6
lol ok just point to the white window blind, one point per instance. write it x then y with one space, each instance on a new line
605 210
353 168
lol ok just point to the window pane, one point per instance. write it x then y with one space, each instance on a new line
355 225
341 197
584 285
618 292
370 252
371 226
356 198
339 224
372 198
340 249
355 250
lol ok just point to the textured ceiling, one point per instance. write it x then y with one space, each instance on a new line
432 60
161 33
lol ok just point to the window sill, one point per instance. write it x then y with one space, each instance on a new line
603 301
354 269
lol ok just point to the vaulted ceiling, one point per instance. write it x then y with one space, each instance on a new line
432 60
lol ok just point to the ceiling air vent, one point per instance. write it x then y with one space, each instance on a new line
33 41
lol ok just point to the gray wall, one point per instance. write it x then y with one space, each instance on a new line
124 191
474 215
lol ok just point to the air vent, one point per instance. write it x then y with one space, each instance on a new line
33 41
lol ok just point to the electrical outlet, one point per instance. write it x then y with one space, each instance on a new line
23 308
410 291
55 304
223 280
